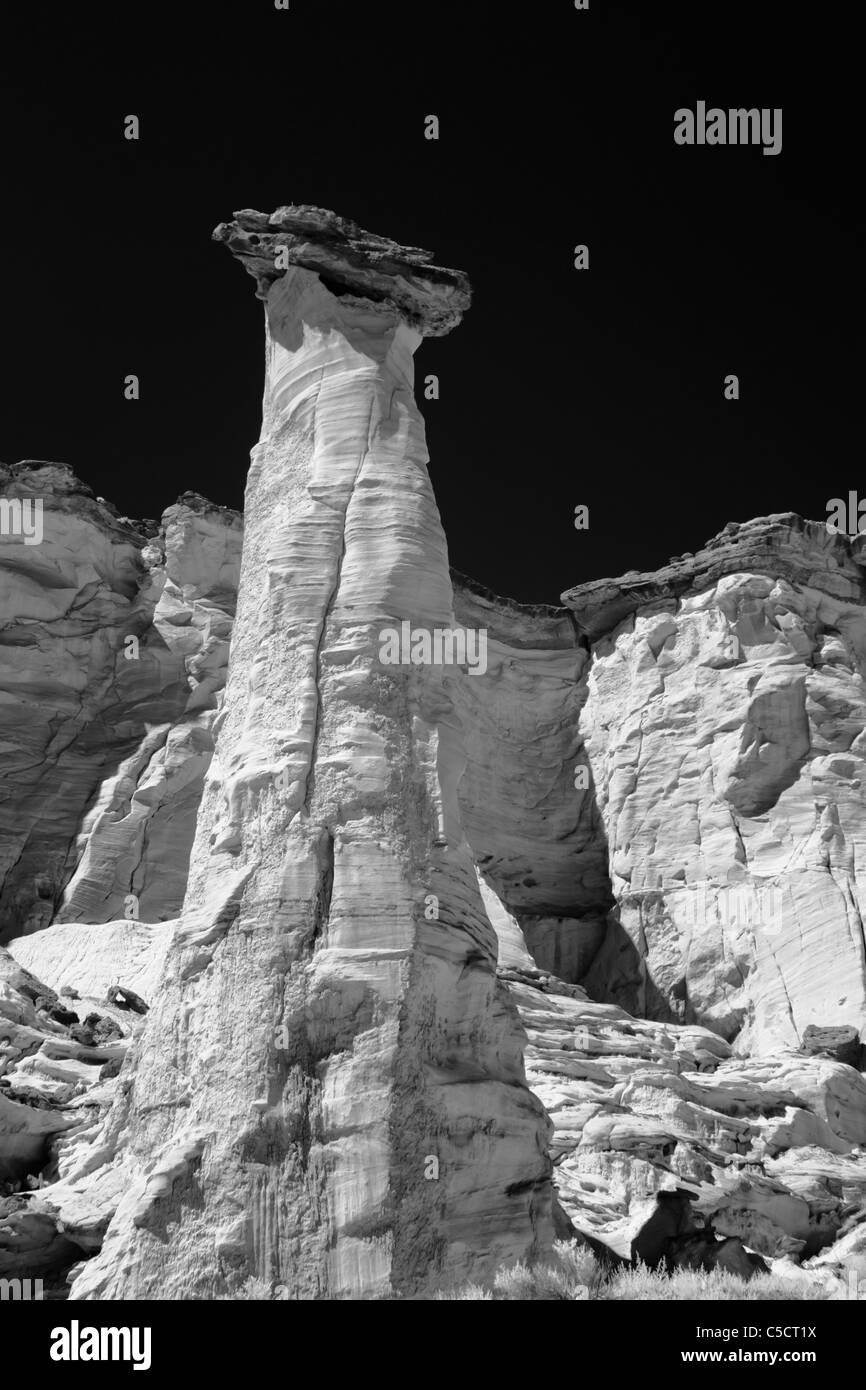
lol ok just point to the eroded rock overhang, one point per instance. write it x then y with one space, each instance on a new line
350 261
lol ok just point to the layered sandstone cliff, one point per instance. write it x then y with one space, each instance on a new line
331 1090
725 728
646 810
113 646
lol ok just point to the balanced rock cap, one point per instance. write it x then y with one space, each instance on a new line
350 260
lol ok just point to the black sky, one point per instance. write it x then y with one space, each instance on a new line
561 387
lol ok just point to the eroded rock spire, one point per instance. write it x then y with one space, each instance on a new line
330 1093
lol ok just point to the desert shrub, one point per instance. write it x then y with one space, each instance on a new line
575 1274
468 1293
719 1285
579 1275
552 1283
514 1282
259 1290
582 1266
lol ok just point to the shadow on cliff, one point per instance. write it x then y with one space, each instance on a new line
618 972
606 961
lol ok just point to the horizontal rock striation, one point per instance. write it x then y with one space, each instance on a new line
330 1091
665 1144
786 546
408 968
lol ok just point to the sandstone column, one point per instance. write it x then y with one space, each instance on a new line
319 1048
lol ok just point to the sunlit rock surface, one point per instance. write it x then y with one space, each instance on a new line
724 726
60 1054
113 646
330 1089
90 959
647 810
138 831
661 1137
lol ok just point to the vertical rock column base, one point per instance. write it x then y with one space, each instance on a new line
330 1095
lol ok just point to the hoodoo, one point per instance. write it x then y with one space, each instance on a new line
330 1020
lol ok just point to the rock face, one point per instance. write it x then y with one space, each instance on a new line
332 1092
437 961
649 1114
667 791
137 835
59 1058
540 845
113 644
350 262
701 882
724 728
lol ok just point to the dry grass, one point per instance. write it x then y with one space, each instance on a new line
574 1274
255 1290
577 1275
